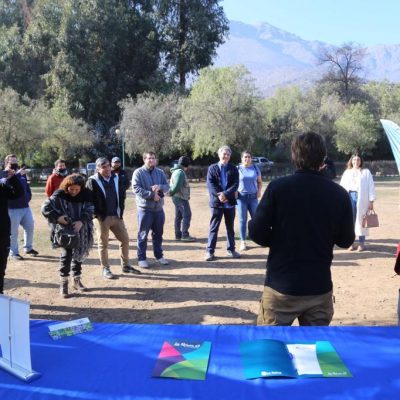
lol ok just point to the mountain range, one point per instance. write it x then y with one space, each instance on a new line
277 58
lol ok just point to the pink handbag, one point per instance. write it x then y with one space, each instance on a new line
370 219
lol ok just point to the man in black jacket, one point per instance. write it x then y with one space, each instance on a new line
222 184
109 203
300 218
10 189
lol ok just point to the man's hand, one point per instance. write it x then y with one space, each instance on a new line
222 198
77 225
370 206
155 188
156 197
63 220
10 172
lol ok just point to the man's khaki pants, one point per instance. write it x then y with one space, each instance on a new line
117 227
282 309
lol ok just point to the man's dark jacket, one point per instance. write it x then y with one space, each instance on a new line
300 218
10 190
99 198
124 178
214 184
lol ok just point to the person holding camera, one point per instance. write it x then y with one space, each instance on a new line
72 205
20 213
10 189
149 184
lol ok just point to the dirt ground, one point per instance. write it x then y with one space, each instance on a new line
192 291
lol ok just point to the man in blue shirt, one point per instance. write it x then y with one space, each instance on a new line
222 184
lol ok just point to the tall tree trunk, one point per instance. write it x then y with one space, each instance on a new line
183 27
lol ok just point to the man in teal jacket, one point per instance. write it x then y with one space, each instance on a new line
180 192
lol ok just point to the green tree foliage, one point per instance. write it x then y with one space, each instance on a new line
107 50
148 123
38 134
191 31
356 130
344 64
222 108
20 124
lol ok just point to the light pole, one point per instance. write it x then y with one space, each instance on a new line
118 132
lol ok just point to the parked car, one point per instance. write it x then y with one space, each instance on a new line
262 161
45 174
90 168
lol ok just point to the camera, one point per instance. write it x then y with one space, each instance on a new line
160 193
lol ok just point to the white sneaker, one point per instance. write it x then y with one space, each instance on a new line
243 246
162 261
143 264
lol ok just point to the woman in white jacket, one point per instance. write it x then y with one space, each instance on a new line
360 185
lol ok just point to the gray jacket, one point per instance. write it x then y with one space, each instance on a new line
142 181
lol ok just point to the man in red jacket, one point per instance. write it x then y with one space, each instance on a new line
55 179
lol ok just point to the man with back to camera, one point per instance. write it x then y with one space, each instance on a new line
54 180
180 192
10 188
109 204
300 218
149 185
20 213
222 184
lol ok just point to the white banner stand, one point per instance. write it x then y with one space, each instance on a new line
15 346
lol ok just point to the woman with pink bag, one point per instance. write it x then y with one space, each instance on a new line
359 183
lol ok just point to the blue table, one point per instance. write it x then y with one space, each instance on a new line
115 361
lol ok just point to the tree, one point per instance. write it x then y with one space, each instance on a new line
108 50
223 108
191 31
356 130
20 124
344 64
64 136
148 123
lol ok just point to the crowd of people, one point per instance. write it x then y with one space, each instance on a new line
300 217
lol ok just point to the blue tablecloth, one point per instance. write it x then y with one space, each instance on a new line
115 361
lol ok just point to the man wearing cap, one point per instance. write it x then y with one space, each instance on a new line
122 174
109 204
180 192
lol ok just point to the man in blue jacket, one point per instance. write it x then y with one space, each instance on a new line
149 185
20 212
222 185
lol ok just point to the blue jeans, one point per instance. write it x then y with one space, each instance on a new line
183 215
216 217
147 220
245 203
23 217
353 199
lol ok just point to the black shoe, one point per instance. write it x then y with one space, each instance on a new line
209 256
129 269
17 257
32 252
233 254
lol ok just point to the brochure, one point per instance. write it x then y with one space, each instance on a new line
183 359
70 328
268 358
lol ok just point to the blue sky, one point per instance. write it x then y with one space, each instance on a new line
367 22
